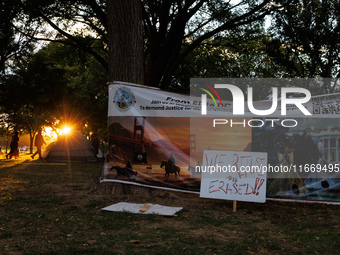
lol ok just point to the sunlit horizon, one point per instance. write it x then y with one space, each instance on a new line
53 134
48 131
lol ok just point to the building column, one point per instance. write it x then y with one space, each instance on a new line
323 149
329 150
337 150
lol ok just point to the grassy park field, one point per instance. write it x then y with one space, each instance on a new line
49 208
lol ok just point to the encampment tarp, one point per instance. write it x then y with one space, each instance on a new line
70 147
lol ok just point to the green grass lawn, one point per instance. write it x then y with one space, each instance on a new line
47 209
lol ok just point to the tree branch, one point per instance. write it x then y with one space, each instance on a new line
101 15
235 22
78 43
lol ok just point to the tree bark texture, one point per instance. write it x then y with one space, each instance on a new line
126 43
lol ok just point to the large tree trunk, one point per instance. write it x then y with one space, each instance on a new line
126 43
126 63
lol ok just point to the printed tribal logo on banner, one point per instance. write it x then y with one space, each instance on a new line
124 98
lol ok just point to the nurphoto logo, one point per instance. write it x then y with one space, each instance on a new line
282 101
238 100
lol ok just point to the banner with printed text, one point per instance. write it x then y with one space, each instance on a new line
158 138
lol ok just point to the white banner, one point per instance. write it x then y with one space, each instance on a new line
161 139
127 99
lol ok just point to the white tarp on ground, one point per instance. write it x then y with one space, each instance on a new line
136 208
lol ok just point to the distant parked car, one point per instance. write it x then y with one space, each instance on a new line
23 149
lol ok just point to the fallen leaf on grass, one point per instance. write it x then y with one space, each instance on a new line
133 241
263 249
92 241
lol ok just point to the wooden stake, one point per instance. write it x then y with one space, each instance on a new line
234 206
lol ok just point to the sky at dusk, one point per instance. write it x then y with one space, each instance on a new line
178 130
221 137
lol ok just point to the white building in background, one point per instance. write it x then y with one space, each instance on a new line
327 141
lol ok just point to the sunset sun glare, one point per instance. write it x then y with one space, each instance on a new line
65 130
